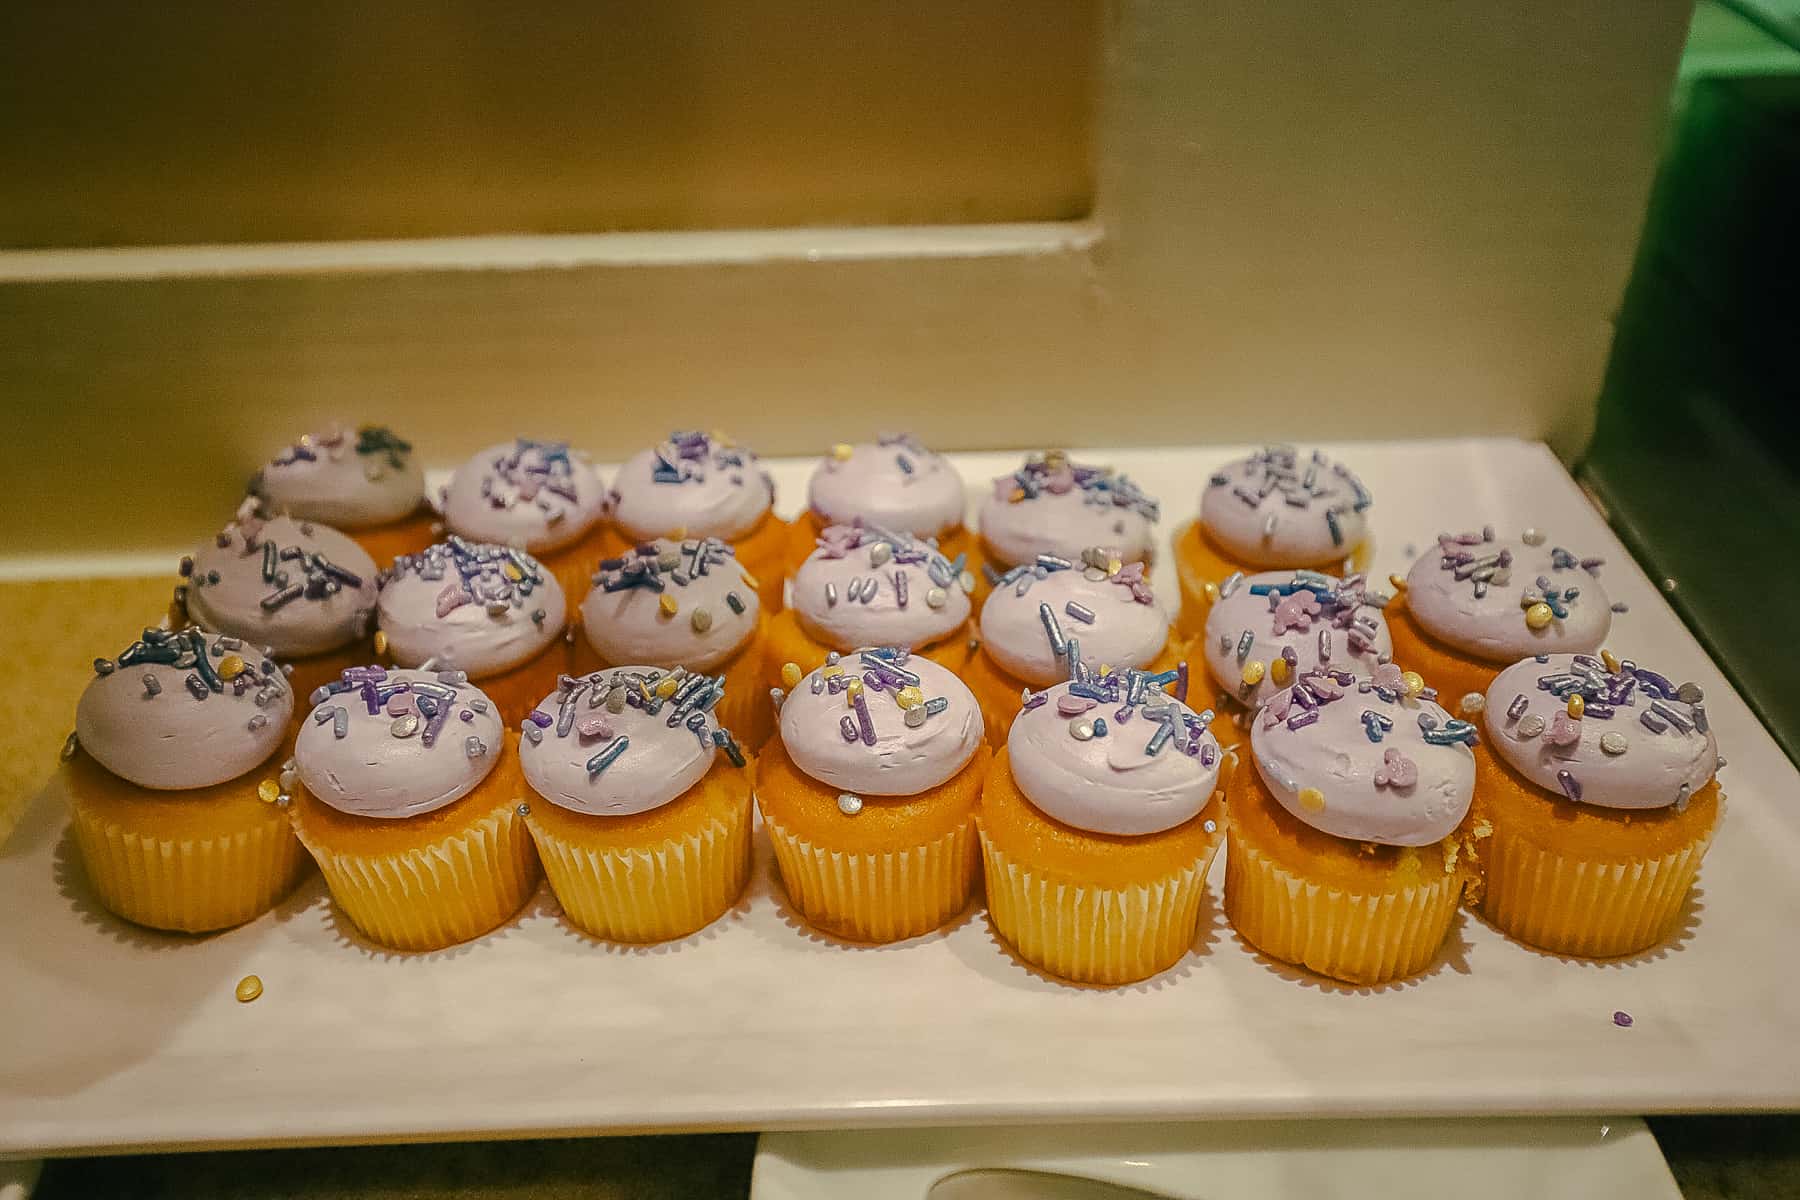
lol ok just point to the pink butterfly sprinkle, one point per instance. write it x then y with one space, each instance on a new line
1564 730
1296 611
1396 770
1387 675
593 725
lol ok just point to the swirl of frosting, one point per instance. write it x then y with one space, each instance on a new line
1278 509
391 744
604 745
1302 618
295 587
538 496
471 607
1053 506
865 738
1602 731
183 710
864 587
895 483
347 482
1505 600
1365 760
1086 754
1035 611
698 483
671 604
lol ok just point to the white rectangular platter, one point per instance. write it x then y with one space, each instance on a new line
113 1038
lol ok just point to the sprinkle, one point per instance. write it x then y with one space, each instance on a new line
1516 709
248 989
915 717
1080 612
1253 672
1570 785
152 685
340 721
847 728
937 597
1614 743
701 620
791 675
864 721
734 603
1471 703
910 697
1081 730
667 605
197 688
1531 726
1058 645
936 705
848 804
1099 727
1538 615
1577 706
1622 1019
1312 799
405 725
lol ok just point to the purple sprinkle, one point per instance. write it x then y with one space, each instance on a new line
1181 681
1036 700
1303 718
1570 785
865 722
540 718
847 727
1622 1019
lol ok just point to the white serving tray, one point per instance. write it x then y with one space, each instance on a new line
113 1038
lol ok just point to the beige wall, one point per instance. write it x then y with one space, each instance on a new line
1394 220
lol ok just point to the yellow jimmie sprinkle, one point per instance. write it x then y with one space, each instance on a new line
852 690
249 988
909 697
1577 706
842 451
268 791
1413 682
830 671
1611 660
231 666
791 675
668 605
381 641
1278 671
1253 672
667 686
1312 799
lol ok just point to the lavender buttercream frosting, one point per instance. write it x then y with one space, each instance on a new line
1366 760
698 483
1502 600
393 744
612 747
671 604
1302 618
179 710
473 607
1084 754
1602 731
865 740
894 482
866 587
1053 506
1036 611
293 586
538 496
1280 508
348 480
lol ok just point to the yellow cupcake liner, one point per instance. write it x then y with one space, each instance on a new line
649 895
189 885
1362 938
1092 934
1586 908
432 896
885 897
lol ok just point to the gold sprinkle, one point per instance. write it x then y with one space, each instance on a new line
791 675
1312 799
1253 672
231 666
248 989
381 641
1105 669
909 697
831 671
752 582
1211 591
1413 682
701 620
1114 566
1611 660
512 572
1397 582
1278 671
1538 615
842 451
667 604
1577 706
1017 495
667 686
852 690
268 791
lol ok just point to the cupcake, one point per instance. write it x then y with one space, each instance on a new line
406 797
1266 630
1352 841
684 604
703 485
366 484
894 484
643 825
303 592
1098 824
1273 510
1041 618
1051 506
1598 778
540 497
869 795
867 587
169 781
1475 604
491 612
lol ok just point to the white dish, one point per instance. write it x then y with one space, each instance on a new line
1561 1159
113 1038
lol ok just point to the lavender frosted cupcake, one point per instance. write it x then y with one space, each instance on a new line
406 795
540 497
489 611
688 604
641 802
366 483
864 586
698 485
303 591
893 483
170 783
1052 506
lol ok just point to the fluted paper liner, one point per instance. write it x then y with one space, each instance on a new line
189 884
1363 938
1095 934
447 891
649 894
878 897
1591 909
